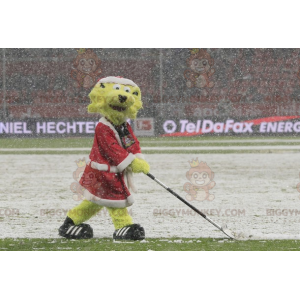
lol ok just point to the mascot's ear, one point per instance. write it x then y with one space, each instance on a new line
187 175
75 175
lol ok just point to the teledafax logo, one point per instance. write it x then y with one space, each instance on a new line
207 126
200 178
263 125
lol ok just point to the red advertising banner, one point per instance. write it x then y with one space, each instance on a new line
175 83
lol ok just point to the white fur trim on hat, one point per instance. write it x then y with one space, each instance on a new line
119 80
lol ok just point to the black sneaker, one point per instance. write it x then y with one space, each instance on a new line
131 232
71 231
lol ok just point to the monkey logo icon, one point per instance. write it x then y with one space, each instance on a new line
89 179
200 70
75 187
200 178
86 68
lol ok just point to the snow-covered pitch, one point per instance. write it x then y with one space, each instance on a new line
255 194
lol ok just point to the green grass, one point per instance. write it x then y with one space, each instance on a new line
178 142
159 244
33 152
86 142
16 143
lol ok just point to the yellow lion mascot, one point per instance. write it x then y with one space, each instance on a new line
115 155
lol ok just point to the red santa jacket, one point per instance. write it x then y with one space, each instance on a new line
104 177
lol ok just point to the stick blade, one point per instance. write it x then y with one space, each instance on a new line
228 232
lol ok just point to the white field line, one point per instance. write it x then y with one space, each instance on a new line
293 147
265 140
269 147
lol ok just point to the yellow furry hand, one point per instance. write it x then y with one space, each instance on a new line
140 166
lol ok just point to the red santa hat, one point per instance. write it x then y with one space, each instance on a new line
117 79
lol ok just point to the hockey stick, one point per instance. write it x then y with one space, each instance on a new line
222 228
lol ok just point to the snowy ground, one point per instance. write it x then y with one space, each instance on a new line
249 189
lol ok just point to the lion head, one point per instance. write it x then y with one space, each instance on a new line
116 98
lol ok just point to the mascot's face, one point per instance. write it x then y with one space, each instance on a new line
200 179
115 101
87 65
200 65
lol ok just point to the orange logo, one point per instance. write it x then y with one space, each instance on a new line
75 187
200 70
86 68
200 178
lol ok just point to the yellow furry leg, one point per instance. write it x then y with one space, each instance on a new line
84 211
120 217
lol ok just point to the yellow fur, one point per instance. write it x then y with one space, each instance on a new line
120 217
104 96
86 209
139 165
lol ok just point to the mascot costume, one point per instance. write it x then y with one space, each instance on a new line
115 155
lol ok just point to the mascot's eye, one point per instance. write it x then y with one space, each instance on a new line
127 89
102 85
196 175
135 93
116 87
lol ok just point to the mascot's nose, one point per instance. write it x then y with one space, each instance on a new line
122 98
